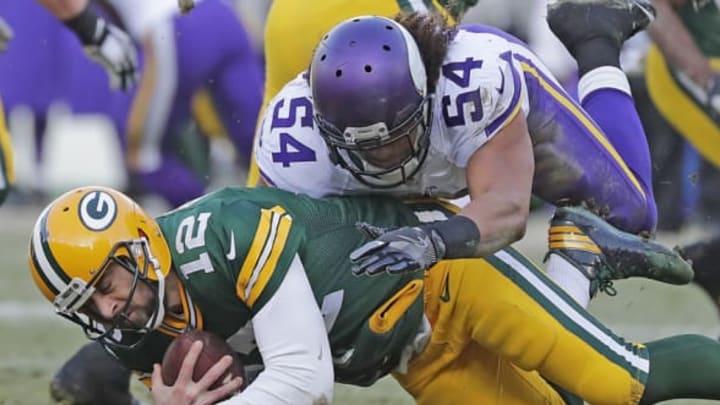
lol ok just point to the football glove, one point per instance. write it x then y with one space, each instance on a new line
109 46
402 250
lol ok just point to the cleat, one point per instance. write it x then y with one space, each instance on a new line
577 21
92 376
604 253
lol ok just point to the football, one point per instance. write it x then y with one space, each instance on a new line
214 348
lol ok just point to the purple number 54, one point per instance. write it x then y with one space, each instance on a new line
459 73
292 150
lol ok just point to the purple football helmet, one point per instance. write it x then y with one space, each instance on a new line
370 97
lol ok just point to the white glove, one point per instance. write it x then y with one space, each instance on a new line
6 34
116 51
108 45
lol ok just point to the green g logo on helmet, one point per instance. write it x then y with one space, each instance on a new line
97 210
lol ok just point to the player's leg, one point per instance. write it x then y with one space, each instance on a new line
217 52
705 256
92 376
602 154
594 31
159 110
7 165
685 366
508 306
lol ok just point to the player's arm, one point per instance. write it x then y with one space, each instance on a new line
291 337
499 177
677 45
104 42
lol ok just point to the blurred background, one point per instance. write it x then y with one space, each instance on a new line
186 127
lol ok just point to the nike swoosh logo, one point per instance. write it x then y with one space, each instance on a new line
502 82
231 254
445 297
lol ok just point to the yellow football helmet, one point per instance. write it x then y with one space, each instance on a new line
74 240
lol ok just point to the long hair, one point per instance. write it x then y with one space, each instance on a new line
432 33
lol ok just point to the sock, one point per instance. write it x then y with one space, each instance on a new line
596 52
685 366
605 95
569 278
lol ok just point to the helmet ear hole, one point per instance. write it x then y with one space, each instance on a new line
368 68
338 73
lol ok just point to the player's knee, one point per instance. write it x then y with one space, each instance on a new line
635 215
92 376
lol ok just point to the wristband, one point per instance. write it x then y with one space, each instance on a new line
87 25
460 235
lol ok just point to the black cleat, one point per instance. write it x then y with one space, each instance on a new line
604 253
92 377
577 21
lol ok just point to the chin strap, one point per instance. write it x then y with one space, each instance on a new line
156 320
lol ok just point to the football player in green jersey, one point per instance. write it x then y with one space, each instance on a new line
268 270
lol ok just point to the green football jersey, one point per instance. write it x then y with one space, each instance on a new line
232 249
704 26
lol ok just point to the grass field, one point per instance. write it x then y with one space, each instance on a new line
34 343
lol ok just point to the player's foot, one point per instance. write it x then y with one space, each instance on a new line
705 256
92 376
604 253
575 22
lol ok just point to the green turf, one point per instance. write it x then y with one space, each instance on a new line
33 343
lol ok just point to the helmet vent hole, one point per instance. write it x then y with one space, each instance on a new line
389 27
323 57
386 48
356 19
338 73
66 209
352 44
368 68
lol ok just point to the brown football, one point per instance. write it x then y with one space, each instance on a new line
214 348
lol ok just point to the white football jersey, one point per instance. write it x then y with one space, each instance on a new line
480 89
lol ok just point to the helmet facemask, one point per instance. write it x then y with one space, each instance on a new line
72 303
354 148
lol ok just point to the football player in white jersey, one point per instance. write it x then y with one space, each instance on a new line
414 107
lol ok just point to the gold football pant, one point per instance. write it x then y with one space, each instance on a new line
501 330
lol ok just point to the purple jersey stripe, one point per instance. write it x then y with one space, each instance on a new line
509 112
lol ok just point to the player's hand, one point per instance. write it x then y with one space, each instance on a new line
116 52
6 34
185 390
398 251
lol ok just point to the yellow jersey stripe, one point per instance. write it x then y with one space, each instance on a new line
268 242
262 275
597 134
